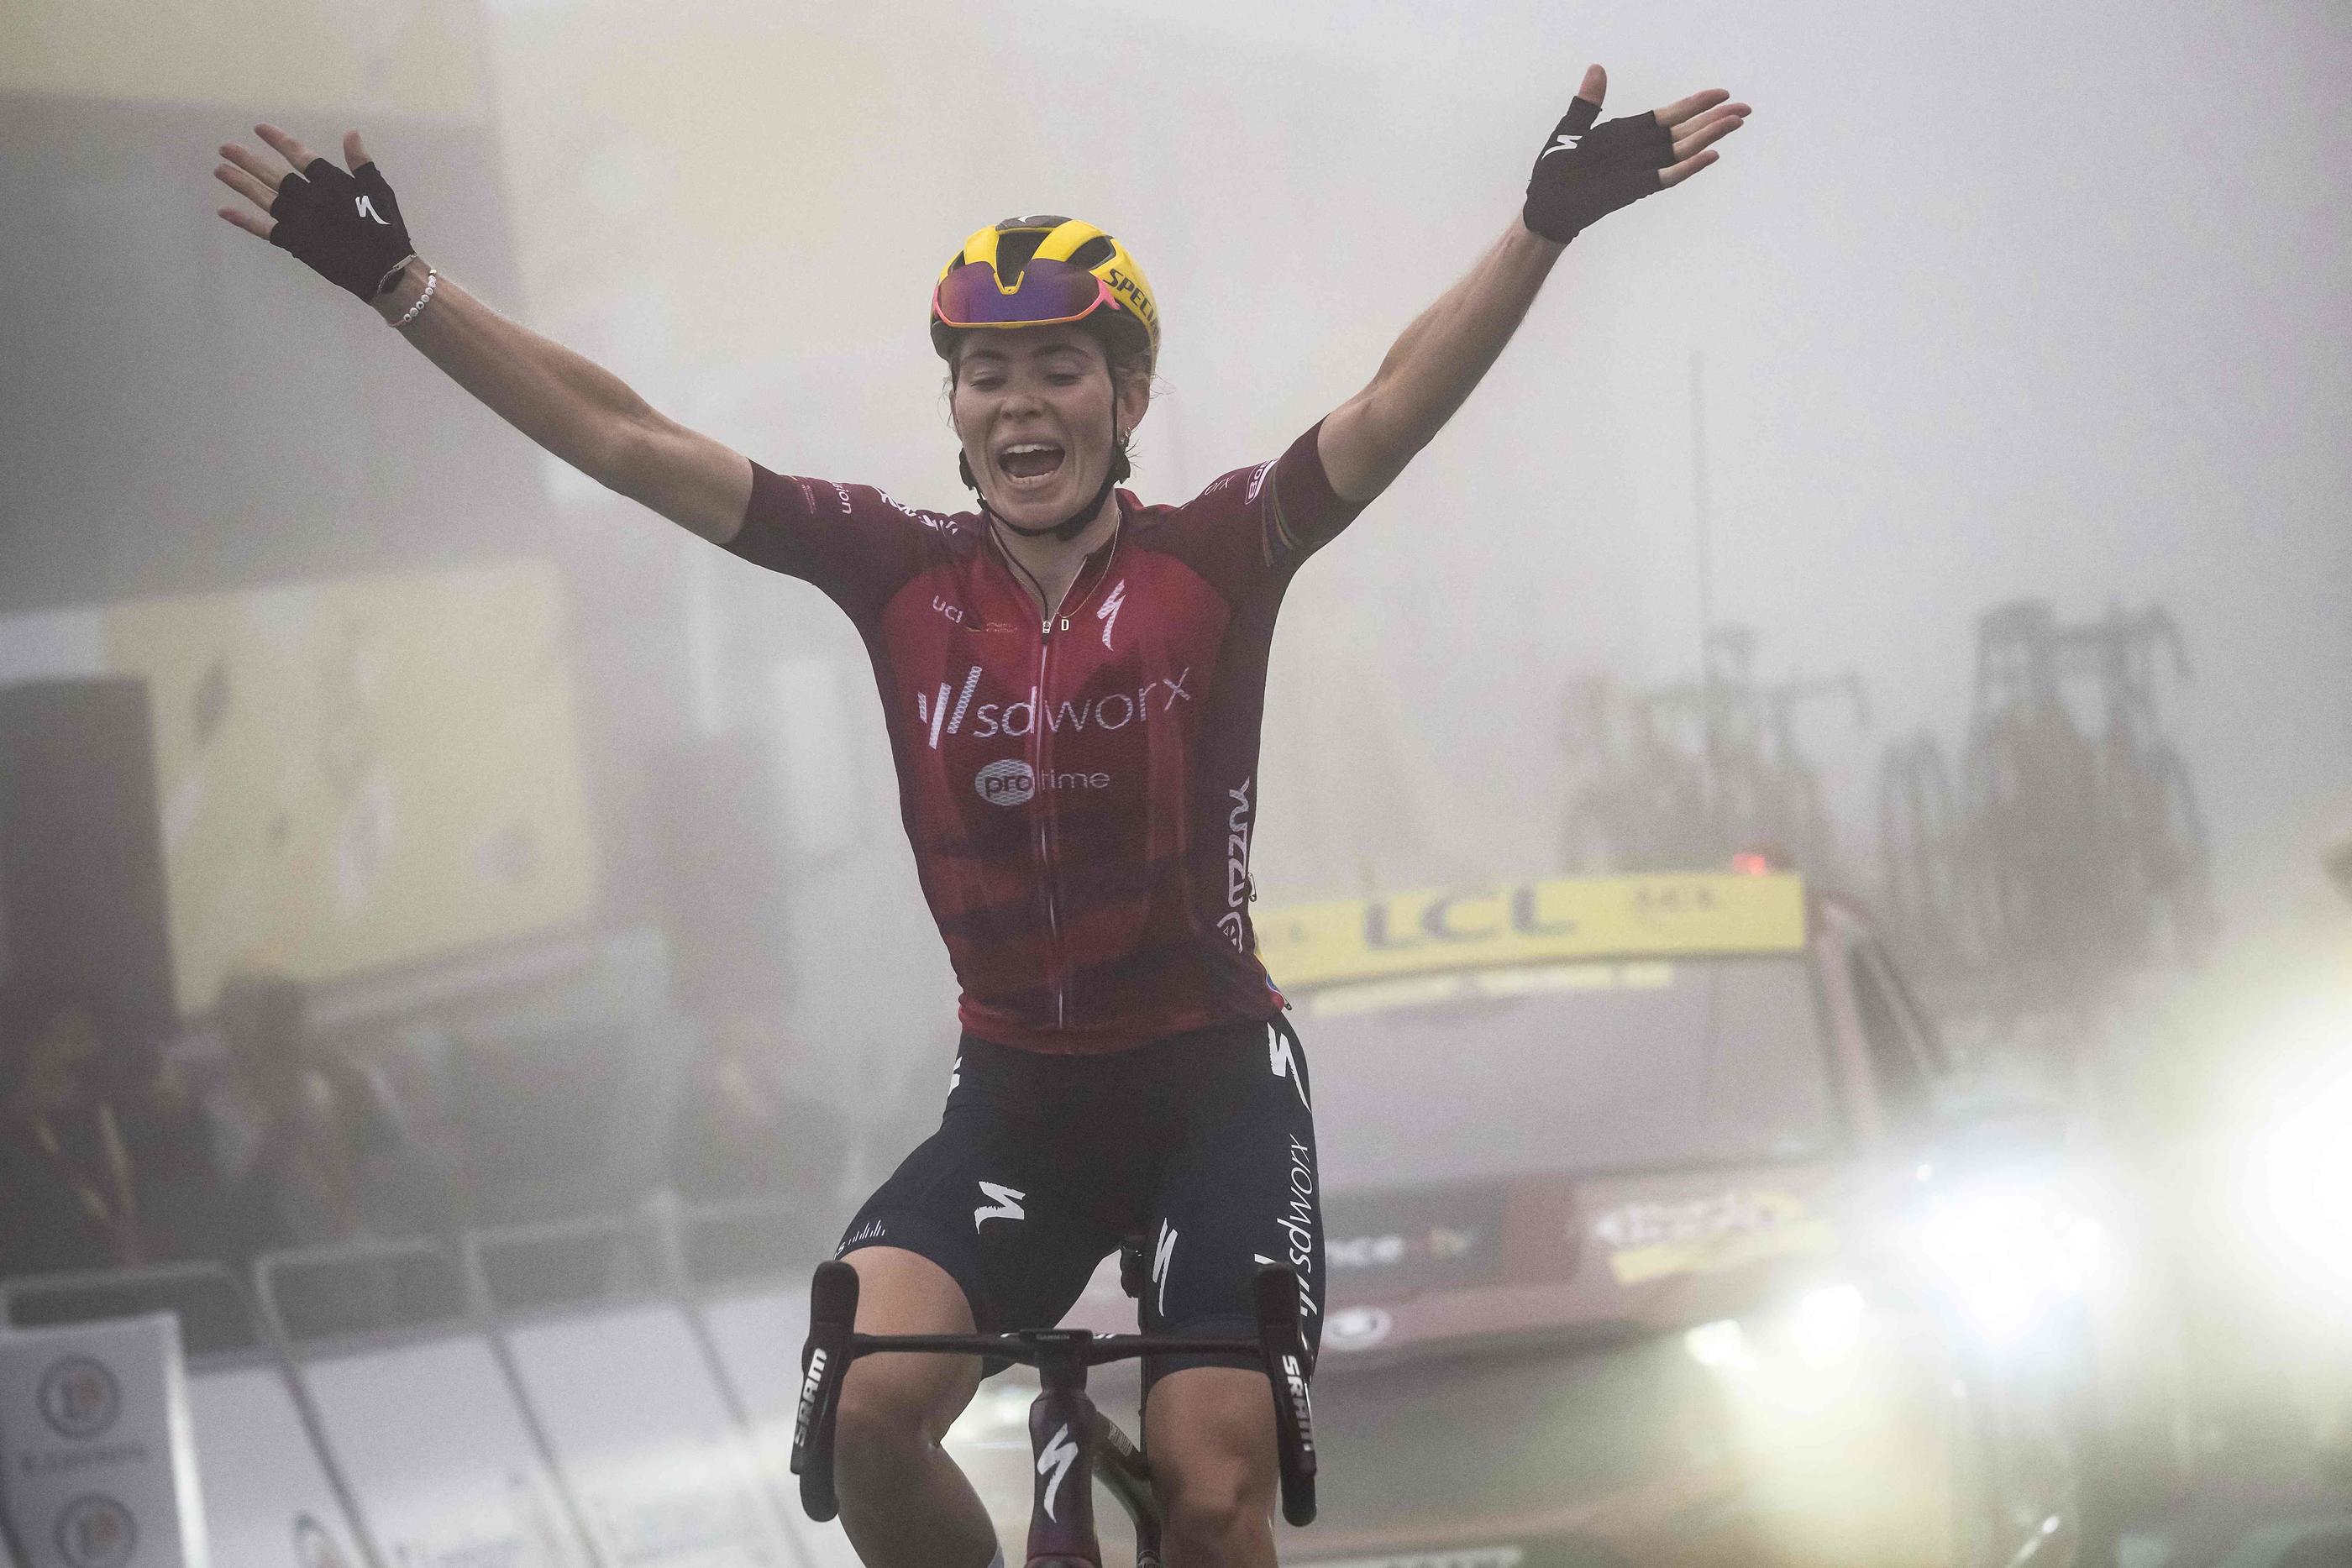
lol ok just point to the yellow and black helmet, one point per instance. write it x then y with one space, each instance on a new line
1035 272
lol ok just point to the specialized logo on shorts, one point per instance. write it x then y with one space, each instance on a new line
1008 782
1284 1061
1004 1204
872 1230
1059 1455
1163 1258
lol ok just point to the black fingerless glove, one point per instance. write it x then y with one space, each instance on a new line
1589 171
345 228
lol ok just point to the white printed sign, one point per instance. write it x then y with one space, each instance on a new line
439 1457
661 1473
266 1498
757 1340
98 1464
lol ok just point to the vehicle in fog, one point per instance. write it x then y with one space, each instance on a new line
1639 1249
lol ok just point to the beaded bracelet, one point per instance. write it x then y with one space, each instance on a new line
431 282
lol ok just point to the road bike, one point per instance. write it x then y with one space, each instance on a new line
1074 1444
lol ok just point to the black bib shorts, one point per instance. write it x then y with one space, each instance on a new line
1201 1145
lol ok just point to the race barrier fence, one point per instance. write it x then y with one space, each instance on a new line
584 1395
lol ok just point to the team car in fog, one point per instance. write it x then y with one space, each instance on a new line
1639 1249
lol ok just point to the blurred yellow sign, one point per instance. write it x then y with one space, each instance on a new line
424 59
1532 921
1649 1240
360 774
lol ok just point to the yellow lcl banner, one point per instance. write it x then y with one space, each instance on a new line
1653 916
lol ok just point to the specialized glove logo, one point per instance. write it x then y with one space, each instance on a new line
1616 161
367 210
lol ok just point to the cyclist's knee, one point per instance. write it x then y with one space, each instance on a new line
892 1404
881 1414
1210 1435
1216 1509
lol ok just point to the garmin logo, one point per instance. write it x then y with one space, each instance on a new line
1010 781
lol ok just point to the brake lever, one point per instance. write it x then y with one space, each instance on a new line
825 1362
1284 1346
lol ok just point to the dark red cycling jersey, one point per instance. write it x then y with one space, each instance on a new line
1079 791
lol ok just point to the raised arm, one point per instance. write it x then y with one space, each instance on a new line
572 407
1584 173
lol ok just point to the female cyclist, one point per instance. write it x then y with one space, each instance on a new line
1073 682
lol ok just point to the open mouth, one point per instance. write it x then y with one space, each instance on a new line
1029 461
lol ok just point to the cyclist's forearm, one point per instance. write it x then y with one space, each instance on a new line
571 406
1435 365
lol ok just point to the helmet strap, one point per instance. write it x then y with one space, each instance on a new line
1074 525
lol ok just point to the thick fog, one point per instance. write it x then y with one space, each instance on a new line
477 914
1989 302
1985 302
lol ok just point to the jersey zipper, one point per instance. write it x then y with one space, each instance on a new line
1045 837
1042 822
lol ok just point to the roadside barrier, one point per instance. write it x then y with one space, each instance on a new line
585 1394
270 1495
629 1395
744 1273
443 1462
